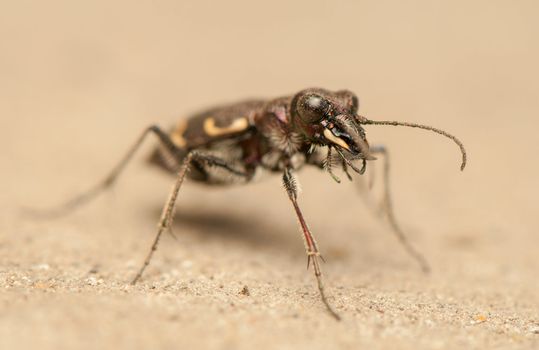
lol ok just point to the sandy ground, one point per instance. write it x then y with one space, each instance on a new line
79 82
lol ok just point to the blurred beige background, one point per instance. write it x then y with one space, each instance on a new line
80 80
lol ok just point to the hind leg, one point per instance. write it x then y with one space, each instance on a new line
112 177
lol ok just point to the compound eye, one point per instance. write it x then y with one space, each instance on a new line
355 104
314 108
350 99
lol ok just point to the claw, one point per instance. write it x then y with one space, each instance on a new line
313 255
172 234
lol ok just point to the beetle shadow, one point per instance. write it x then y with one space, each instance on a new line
234 228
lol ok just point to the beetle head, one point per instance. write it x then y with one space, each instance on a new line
330 119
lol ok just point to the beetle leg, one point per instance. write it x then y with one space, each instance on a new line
390 214
310 244
90 194
217 162
167 214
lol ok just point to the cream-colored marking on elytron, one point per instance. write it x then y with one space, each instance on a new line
177 134
211 129
336 140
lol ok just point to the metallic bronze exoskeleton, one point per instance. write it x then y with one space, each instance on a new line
231 144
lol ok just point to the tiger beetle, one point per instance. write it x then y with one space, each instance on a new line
231 144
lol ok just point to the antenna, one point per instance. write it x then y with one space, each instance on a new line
364 120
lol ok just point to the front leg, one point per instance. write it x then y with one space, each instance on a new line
310 244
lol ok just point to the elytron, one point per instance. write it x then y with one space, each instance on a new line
231 144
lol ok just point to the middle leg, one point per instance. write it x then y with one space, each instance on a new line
165 222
